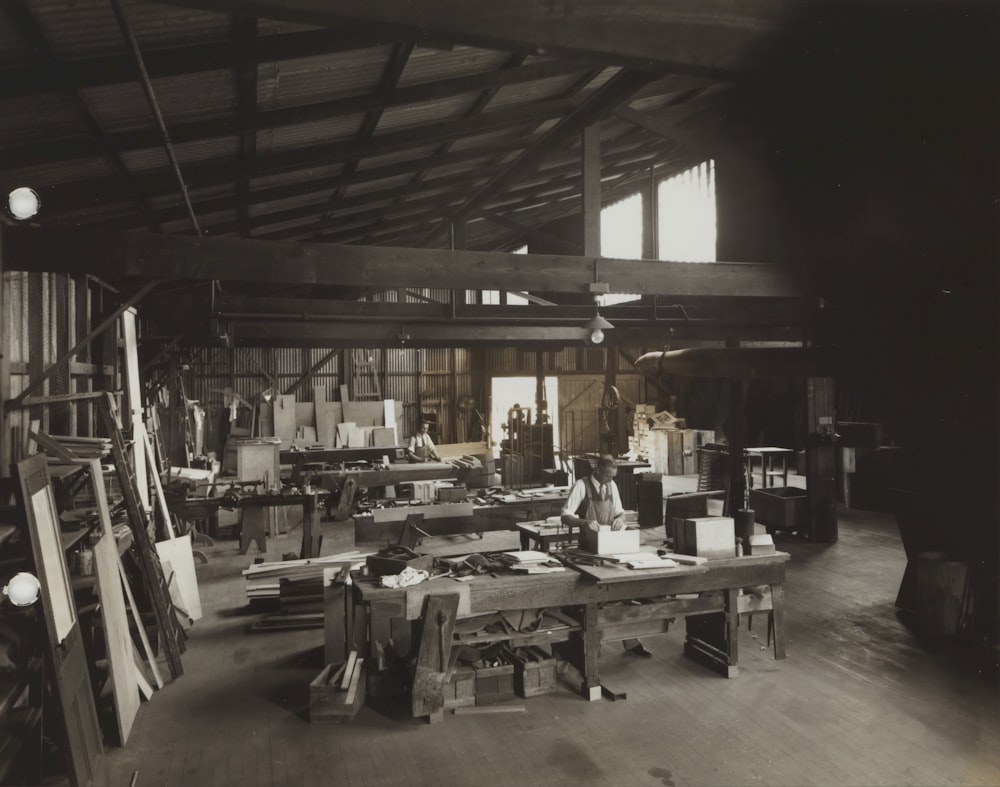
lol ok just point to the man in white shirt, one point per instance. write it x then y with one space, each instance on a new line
421 447
594 501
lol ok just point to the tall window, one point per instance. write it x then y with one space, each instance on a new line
686 215
621 237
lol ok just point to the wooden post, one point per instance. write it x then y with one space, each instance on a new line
821 460
591 146
5 437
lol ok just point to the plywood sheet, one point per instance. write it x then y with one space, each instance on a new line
284 419
328 415
365 413
305 414
178 552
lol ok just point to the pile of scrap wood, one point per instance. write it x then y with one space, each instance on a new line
294 588
337 694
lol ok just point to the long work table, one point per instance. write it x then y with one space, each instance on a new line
709 597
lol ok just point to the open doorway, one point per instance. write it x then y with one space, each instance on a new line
509 391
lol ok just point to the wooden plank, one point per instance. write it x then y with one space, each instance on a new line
415 596
349 669
284 419
141 436
114 616
143 638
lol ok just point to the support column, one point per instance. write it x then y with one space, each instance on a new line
821 460
591 145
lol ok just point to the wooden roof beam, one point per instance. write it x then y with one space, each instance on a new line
142 255
175 61
643 34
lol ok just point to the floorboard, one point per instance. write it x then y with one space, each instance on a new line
860 700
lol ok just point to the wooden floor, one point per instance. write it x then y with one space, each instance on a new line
859 701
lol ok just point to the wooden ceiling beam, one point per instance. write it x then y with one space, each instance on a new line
700 39
106 70
142 255
327 334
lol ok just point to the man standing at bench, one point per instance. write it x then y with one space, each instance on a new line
594 501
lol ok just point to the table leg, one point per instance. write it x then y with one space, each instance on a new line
525 541
591 688
778 613
732 626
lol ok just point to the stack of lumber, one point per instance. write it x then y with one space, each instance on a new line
304 578
82 447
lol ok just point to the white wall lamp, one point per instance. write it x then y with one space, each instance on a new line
23 589
23 203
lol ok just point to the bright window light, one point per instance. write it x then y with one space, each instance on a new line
686 215
621 238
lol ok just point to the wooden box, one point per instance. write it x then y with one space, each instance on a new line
534 671
494 684
707 536
611 542
781 507
330 701
460 691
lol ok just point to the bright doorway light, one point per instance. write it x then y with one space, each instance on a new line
508 391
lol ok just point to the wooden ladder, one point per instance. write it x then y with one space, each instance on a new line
364 380
152 570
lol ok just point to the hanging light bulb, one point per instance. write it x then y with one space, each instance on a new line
23 203
23 589
597 326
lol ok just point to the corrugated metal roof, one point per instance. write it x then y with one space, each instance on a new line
396 157
76 29
378 185
308 134
323 78
22 119
312 175
413 115
512 95
54 174
427 65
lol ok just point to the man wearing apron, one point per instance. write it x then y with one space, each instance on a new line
421 447
594 501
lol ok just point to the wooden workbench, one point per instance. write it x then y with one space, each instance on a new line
395 473
711 618
485 518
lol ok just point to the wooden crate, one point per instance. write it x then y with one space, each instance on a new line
781 507
534 671
330 701
494 684
460 691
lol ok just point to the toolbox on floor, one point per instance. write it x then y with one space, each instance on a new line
534 671
494 684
